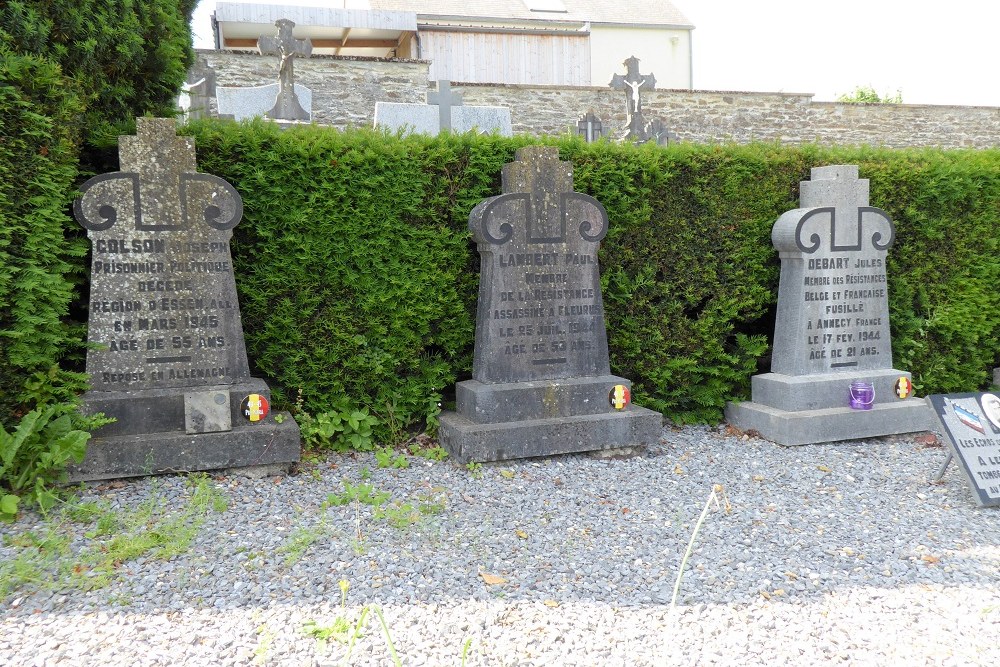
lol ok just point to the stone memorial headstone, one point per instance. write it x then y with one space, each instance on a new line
589 127
541 383
831 335
444 111
197 91
286 47
444 99
658 132
167 356
632 83
246 102
971 426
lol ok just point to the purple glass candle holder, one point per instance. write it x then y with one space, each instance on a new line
862 395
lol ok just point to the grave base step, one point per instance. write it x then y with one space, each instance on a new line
807 427
247 445
467 441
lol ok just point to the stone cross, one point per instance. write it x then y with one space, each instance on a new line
284 45
197 90
589 127
632 83
833 313
445 100
660 133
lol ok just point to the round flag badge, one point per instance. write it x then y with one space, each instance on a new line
619 396
254 407
904 388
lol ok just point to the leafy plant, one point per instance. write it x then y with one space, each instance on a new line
33 458
868 95
338 430
435 453
366 494
385 457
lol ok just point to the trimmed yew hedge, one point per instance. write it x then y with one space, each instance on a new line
358 278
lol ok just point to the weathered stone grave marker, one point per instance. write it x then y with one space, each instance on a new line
286 47
590 127
541 383
168 359
832 324
633 83
971 426
444 110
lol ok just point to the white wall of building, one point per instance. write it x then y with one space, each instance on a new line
663 52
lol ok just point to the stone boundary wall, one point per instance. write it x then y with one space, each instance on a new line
345 90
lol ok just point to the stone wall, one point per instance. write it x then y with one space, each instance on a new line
345 91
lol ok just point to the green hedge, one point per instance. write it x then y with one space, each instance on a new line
37 172
358 278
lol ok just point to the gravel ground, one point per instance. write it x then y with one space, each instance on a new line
815 555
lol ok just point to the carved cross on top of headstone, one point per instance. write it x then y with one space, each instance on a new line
632 83
284 45
445 100
589 127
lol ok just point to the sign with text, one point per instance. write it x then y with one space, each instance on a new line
971 425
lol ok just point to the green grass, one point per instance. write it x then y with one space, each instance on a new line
44 559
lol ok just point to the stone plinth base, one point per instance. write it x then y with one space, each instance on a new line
496 422
810 409
150 436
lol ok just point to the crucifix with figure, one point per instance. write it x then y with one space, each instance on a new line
633 82
284 45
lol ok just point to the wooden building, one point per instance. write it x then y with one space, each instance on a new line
546 42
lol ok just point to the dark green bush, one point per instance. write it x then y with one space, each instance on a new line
37 172
358 278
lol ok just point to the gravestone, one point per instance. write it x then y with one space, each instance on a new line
197 91
971 426
286 47
658 132
444 111
542 383
589 127
167 356
633 83
246 102
832 324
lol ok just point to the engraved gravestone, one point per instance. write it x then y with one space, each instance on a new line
167 357
832 325
971 426
590 127
541 377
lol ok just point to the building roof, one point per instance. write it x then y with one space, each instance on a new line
628 12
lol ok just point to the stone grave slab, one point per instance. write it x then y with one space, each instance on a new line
444 111
832 324
244 103
971 425
167 356
542 383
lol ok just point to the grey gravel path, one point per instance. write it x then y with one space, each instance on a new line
828 554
